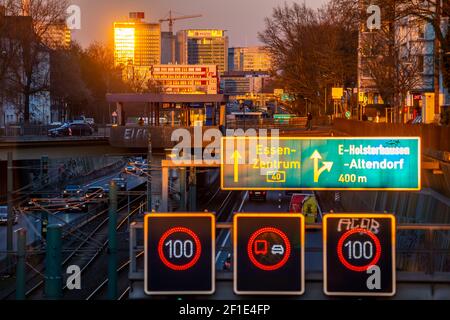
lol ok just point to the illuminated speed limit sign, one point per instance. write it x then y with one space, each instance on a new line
359 254
269 253
179 253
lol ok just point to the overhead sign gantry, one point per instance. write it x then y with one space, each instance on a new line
322 163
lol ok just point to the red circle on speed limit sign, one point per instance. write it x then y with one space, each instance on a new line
280 246
197 248
345 262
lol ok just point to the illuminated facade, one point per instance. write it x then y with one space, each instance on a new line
248 59
203 47
58 36
180 79
137 43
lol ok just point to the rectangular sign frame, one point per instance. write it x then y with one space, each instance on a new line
393 252
222 165
235 250
147 216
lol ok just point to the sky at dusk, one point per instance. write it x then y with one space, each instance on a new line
242 19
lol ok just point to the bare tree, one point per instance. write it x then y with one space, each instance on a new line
392 61
430 11
311 50
28 23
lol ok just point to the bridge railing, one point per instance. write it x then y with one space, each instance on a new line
296 122
42 131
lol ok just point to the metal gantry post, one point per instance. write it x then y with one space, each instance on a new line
112 242
53 268
193 189
165 189
149 171
183 189
21 256
10 218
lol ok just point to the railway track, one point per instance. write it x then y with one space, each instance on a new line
82 243
225 203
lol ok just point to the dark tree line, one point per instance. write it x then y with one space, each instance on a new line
312 51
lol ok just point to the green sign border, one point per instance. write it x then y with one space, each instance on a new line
419 169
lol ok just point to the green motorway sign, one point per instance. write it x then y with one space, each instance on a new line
323 163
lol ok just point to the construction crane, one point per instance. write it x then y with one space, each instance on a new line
171 20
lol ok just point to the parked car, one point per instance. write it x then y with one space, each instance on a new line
91 122
73 191
71 129
4 216
257 195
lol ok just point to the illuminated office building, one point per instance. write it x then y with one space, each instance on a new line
179 79
136 42
209 46
58 35
248 59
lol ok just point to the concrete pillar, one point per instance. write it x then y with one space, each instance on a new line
119 110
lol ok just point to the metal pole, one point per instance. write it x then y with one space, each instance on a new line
149 171
183 189
193 190
21 256
53 268
112 242
44 224
10 218
165 190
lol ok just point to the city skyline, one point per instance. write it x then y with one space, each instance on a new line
242 25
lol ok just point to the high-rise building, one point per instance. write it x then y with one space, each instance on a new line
248 59
177 78
137 42
208 46
58 35
166 47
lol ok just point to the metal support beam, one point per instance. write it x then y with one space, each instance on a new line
112 242
53 266
21 256
10 218
149 171
193 190
183 189
165 190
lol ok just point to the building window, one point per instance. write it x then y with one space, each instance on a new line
421 30
420 64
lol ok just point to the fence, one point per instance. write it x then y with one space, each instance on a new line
42 131
420 248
